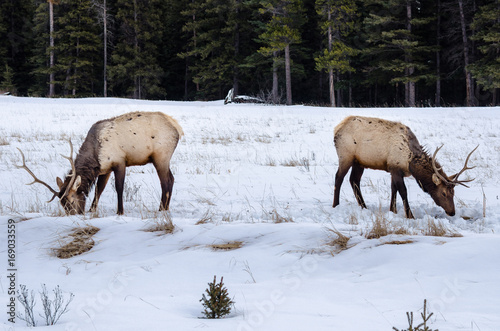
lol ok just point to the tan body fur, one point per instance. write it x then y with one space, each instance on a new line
136 139
366 142
111 145
375 143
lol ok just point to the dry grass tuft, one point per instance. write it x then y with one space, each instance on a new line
399 242
277 218
82 242
380 227
340 241
163 224
206 218
438 229
227 246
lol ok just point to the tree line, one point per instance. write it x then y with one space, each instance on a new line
325 52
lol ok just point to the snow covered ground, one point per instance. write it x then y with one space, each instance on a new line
262 176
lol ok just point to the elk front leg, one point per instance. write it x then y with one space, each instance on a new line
355 180
102 180
394 191
398 181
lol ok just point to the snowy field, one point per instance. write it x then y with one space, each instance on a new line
261 176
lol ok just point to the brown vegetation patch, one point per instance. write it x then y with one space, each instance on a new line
227 246
340 241
438 229
82 242
277 218
162 224
399 242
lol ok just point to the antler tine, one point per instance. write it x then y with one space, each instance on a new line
35 179
73 169
461 182
436 169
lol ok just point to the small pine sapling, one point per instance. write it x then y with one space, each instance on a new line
422 326
218 304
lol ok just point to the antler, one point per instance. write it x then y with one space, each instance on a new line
455 180
36 180
461 182
73 169
436 169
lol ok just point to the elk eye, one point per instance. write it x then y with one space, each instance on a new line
444 194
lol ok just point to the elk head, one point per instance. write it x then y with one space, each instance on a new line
444 189
72 199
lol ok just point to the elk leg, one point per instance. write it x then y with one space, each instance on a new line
398 182
355 179
394 191
119 185
168 194
167 184
339 178
102 180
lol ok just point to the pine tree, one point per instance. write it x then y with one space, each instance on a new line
338 21
486 27
395 48
16 40
213 29
218 304
8 81
282 30
78 48
135 71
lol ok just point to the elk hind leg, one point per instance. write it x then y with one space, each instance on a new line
119 185
102 180
167 184
339 178
355 180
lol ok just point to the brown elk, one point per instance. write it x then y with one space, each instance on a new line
111 145
364 142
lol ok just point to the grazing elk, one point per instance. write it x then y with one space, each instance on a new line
111 145
363 142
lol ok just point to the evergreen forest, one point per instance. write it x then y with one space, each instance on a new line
324 52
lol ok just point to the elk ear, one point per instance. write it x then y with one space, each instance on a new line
77 183
436 180
59 182
452 177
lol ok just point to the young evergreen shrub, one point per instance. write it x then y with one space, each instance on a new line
422 326
218 304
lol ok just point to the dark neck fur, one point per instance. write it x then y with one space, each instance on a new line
422 170
87 161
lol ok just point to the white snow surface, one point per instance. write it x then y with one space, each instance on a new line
238 167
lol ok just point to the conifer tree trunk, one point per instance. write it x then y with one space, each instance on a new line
105 69
437 100
330 72
236 51
465 44
137 80
288 76
275 78
51 45
410 85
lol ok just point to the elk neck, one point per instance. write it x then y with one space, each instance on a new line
421 169
87 162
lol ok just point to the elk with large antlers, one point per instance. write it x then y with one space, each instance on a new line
364 142
112 145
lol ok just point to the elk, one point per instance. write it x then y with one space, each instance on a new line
364 142
111 145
